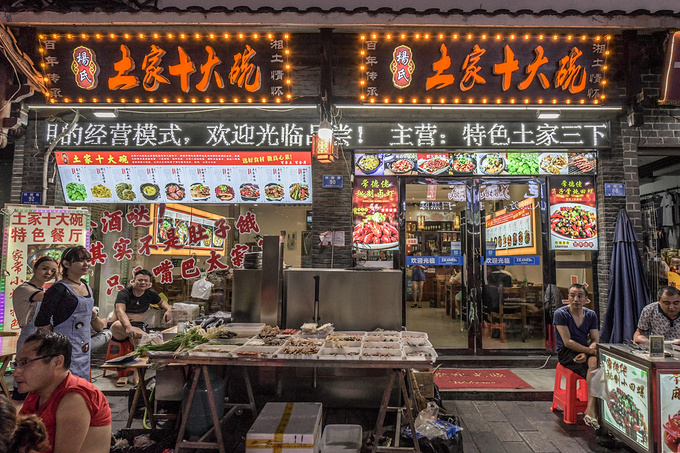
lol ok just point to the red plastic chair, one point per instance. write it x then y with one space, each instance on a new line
117 349
573 397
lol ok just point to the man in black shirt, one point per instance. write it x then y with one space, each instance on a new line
131 305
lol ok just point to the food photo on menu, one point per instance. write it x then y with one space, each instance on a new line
463 163
433 164
400 164
369 164
492 164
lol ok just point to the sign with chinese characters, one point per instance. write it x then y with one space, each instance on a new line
486 135
185 177
434 260
670 85
669 412
166 68
332 182
627 408
534 260
573 213
31 197
374 210
614 189
190 230
453 68
30 233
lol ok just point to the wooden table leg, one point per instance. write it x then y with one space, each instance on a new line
408 403
3 368
382 411
186 410
213 410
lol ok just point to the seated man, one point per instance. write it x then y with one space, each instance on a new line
574 323
660 318
76 413
131 305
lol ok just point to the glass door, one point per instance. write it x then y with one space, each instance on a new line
437 302
510 240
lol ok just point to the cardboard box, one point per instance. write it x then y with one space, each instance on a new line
286 428
425 383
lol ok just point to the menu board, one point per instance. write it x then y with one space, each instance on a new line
573 213
627 407
374 211
157 177
511 230
181 222
481 163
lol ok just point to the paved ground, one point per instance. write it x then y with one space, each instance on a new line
489 425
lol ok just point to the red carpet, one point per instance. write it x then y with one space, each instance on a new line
464 378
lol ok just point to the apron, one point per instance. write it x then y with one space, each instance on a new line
77 329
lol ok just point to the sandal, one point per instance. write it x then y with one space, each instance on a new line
591 421
122 381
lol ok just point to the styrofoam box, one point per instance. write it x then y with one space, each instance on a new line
245 328
420 353
339 353
381 354
381 345
298 425
341 439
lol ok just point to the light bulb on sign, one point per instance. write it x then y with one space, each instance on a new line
325 130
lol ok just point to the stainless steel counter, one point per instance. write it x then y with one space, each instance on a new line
350 299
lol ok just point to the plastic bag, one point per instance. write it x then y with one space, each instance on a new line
428 425
597 386
201 289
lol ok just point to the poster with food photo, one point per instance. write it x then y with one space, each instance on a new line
403 164
463 163
669 412
627 408
375 211
492 163
100 183
174 184
573 213
368 164
553 163
582 163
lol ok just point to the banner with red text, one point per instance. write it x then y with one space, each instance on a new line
30 233
374 208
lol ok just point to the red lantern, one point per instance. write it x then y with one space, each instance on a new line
325 151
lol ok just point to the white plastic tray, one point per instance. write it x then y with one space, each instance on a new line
245 328
352 353
420 354
381 354
381 345
255 351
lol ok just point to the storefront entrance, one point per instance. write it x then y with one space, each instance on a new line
479 244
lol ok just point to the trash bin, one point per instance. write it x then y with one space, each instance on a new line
341 439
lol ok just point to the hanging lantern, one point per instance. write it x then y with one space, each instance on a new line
324 150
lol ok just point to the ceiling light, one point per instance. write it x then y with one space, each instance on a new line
548 114
106 113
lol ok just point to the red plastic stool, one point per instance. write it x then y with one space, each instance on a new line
573 398
117 349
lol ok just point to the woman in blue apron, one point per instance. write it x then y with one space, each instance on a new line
67 307
26 300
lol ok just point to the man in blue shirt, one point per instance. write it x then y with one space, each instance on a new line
576 340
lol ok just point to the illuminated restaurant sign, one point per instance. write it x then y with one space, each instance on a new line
166 67
481 163
29 234
374 208
573 213
670 87
476 135
185 177
453 68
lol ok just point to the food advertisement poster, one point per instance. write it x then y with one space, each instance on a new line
669 412
479 163
176 177
181 221
573 213
627 408
30 233
511 230
374 209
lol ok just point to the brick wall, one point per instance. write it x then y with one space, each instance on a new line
332 211
661 128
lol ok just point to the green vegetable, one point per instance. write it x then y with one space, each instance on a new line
523 163
178 344
75 191
376 217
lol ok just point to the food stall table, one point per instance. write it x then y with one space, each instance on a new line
140 367
643 396
397 370
8 347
